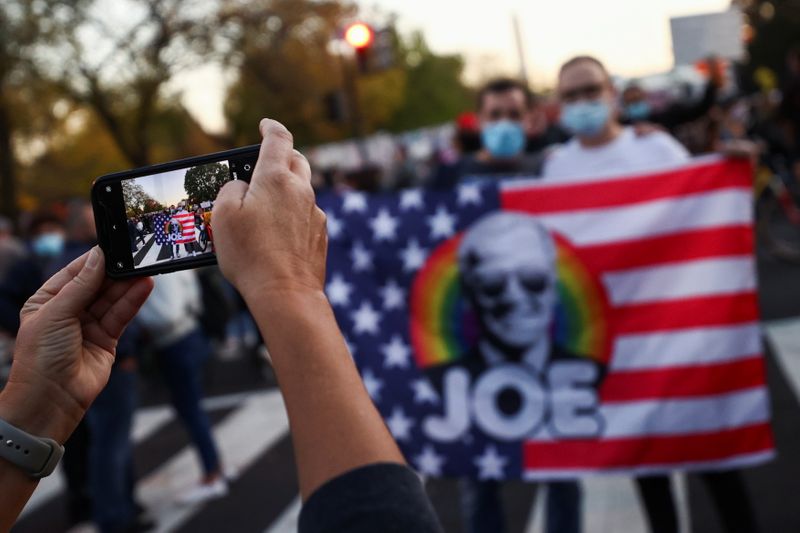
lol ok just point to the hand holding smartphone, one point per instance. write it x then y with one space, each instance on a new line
157 219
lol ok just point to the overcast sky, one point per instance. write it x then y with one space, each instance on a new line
631 36
165 188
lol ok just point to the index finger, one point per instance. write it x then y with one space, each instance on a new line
277 144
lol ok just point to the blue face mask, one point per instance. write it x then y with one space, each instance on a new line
504 138
585 119
638 110
48 245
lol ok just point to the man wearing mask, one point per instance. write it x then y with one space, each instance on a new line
602 146
24 276
504 108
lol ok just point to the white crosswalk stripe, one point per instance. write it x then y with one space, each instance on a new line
785 338
261 414
287 521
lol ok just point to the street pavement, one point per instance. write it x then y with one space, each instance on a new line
252 432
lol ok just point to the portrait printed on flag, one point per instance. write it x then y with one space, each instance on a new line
536 330
523 383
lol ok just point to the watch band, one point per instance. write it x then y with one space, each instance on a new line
37 456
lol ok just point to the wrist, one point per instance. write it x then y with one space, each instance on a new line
40 413
279 297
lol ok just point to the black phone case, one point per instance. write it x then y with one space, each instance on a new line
111 228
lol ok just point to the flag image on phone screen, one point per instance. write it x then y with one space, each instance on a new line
169 214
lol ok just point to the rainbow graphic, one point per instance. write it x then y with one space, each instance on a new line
444 328
581 318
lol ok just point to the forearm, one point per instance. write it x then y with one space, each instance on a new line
335 427
16 486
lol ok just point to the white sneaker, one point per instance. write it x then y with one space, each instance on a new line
205 492
230 473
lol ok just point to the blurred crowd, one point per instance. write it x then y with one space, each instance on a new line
700 114
194 316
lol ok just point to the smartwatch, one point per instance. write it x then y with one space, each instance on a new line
37 456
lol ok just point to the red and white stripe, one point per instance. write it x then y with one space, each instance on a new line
186 220
685 386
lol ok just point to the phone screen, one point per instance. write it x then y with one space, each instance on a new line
158 219
169 214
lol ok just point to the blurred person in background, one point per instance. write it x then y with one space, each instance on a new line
636 107
367 179
503 110
11 248
403 173
169 319
98 457
602 146
468 134
542 132
790 104
25 275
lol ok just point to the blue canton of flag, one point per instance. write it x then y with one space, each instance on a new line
377 245
160 226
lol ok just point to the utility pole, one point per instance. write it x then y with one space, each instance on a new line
523 70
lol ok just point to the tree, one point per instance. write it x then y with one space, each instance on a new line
774 27
285 68
117 62
25 99
288 68
435 92
202 183
135 198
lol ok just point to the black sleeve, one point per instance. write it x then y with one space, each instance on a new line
385 497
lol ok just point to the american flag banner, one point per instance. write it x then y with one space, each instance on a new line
174 229
161 229
548 329
185 221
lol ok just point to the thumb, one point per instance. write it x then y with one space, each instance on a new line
78 293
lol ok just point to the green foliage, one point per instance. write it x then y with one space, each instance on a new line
286 68
776 28
202 183
136 199
434 91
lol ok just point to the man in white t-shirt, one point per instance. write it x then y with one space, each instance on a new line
601 146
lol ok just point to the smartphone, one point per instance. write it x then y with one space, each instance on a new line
157 219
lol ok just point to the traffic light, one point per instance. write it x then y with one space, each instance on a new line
360 36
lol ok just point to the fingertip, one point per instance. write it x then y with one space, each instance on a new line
94 258
269 126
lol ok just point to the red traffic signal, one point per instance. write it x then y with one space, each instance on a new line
359 35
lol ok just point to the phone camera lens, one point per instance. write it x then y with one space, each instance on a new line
247 167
